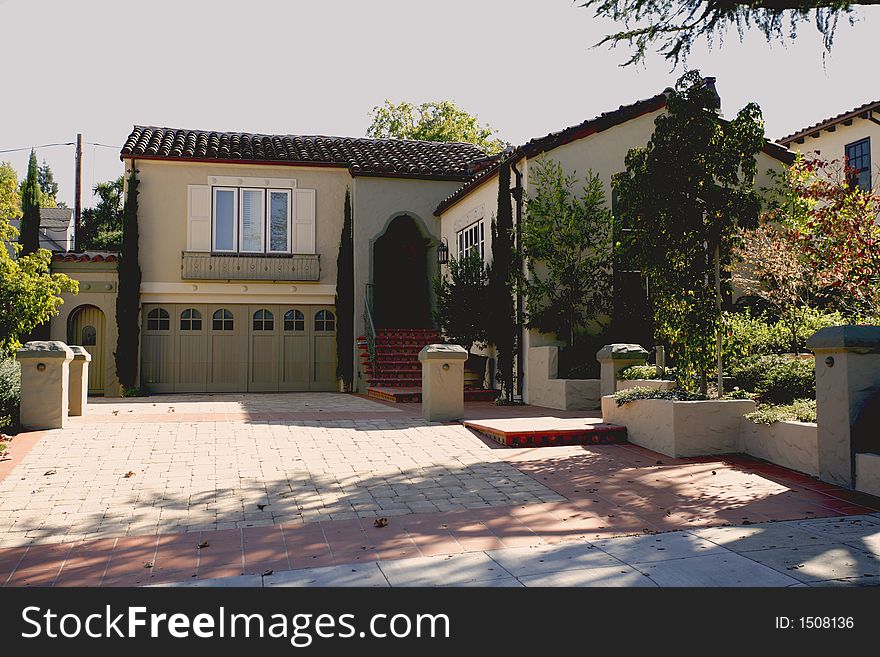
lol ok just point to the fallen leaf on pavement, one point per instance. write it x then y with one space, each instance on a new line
381 522
203 544
48 472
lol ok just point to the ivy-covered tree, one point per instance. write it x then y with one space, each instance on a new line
674 26
567 247
685 194
501 327
432 121
462 294
30 209
128 297
345 299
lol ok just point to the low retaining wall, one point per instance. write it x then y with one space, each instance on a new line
868 473
792 445
544 389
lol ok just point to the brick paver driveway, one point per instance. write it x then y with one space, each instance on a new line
200 462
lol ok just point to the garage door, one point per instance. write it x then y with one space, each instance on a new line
238 348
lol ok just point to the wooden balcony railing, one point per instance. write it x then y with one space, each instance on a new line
223 267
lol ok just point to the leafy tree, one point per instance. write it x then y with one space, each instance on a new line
463 301
345 299
128 299
432 121
30 209
676 25
29 293
501 327
685 194
567 247
101 226
47 182
10 199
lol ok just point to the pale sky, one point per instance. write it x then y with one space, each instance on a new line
527 67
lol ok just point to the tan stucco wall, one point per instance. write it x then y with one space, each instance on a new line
792 445
831 145
544 389
94 280
162 220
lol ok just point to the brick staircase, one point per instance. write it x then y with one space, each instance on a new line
397 374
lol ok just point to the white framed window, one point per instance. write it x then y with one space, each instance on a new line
470 240
278 237
253 221
225 220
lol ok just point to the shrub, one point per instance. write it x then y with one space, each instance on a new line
746 334
626 396
775 378
801 410
10 393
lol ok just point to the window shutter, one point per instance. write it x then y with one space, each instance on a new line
198 218
304 222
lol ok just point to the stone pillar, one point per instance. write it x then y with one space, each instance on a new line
442 382
616 357
44 384
847 375
79 380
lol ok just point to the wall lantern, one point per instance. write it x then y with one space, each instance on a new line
442 252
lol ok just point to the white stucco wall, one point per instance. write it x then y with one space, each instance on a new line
831 145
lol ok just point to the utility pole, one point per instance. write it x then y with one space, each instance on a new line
77 195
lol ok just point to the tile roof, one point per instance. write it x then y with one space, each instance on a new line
361 156
86 256
827 123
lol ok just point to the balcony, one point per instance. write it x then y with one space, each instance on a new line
229 267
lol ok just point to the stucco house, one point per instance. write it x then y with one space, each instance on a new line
239 235
56 229
846 137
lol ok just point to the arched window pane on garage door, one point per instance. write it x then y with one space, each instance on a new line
158 319
325 321
89 336
263 320
222 320
294 320
190 320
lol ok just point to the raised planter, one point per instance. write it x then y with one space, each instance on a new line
792 445
681 428
544 389
653 384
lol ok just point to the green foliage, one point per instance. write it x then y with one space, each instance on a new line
501 327
676 25
132 392
567 247
345 299
101 226
463 302
634 372
128 299
434 121
775 378
749 335
801 410
622 397
738 393
10 199
30 209
10 393
48 186
685 195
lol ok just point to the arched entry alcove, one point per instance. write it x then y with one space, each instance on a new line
401 289
86 328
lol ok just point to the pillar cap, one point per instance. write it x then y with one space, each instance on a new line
442 352
865 339
44 349
622 351
80 353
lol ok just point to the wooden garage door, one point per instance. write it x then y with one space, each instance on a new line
263 366
323 348
295 343
157 349
191 348
228 348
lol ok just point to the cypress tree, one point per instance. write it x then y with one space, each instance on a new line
128 297
30 205
502 322
345 300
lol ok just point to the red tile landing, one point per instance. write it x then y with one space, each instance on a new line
549 431
413 394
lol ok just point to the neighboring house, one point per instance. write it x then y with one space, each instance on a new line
853 137
56 229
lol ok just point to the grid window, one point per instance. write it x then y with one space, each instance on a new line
325 321
158 319
858 162
263 320
470 240
222 320
294 320
190 320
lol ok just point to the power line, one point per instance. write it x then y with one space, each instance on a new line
92 143
25 148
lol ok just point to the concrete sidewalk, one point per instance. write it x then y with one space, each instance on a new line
840 551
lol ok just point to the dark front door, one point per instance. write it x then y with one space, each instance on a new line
400 277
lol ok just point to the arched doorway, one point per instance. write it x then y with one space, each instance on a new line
86 328
401 295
